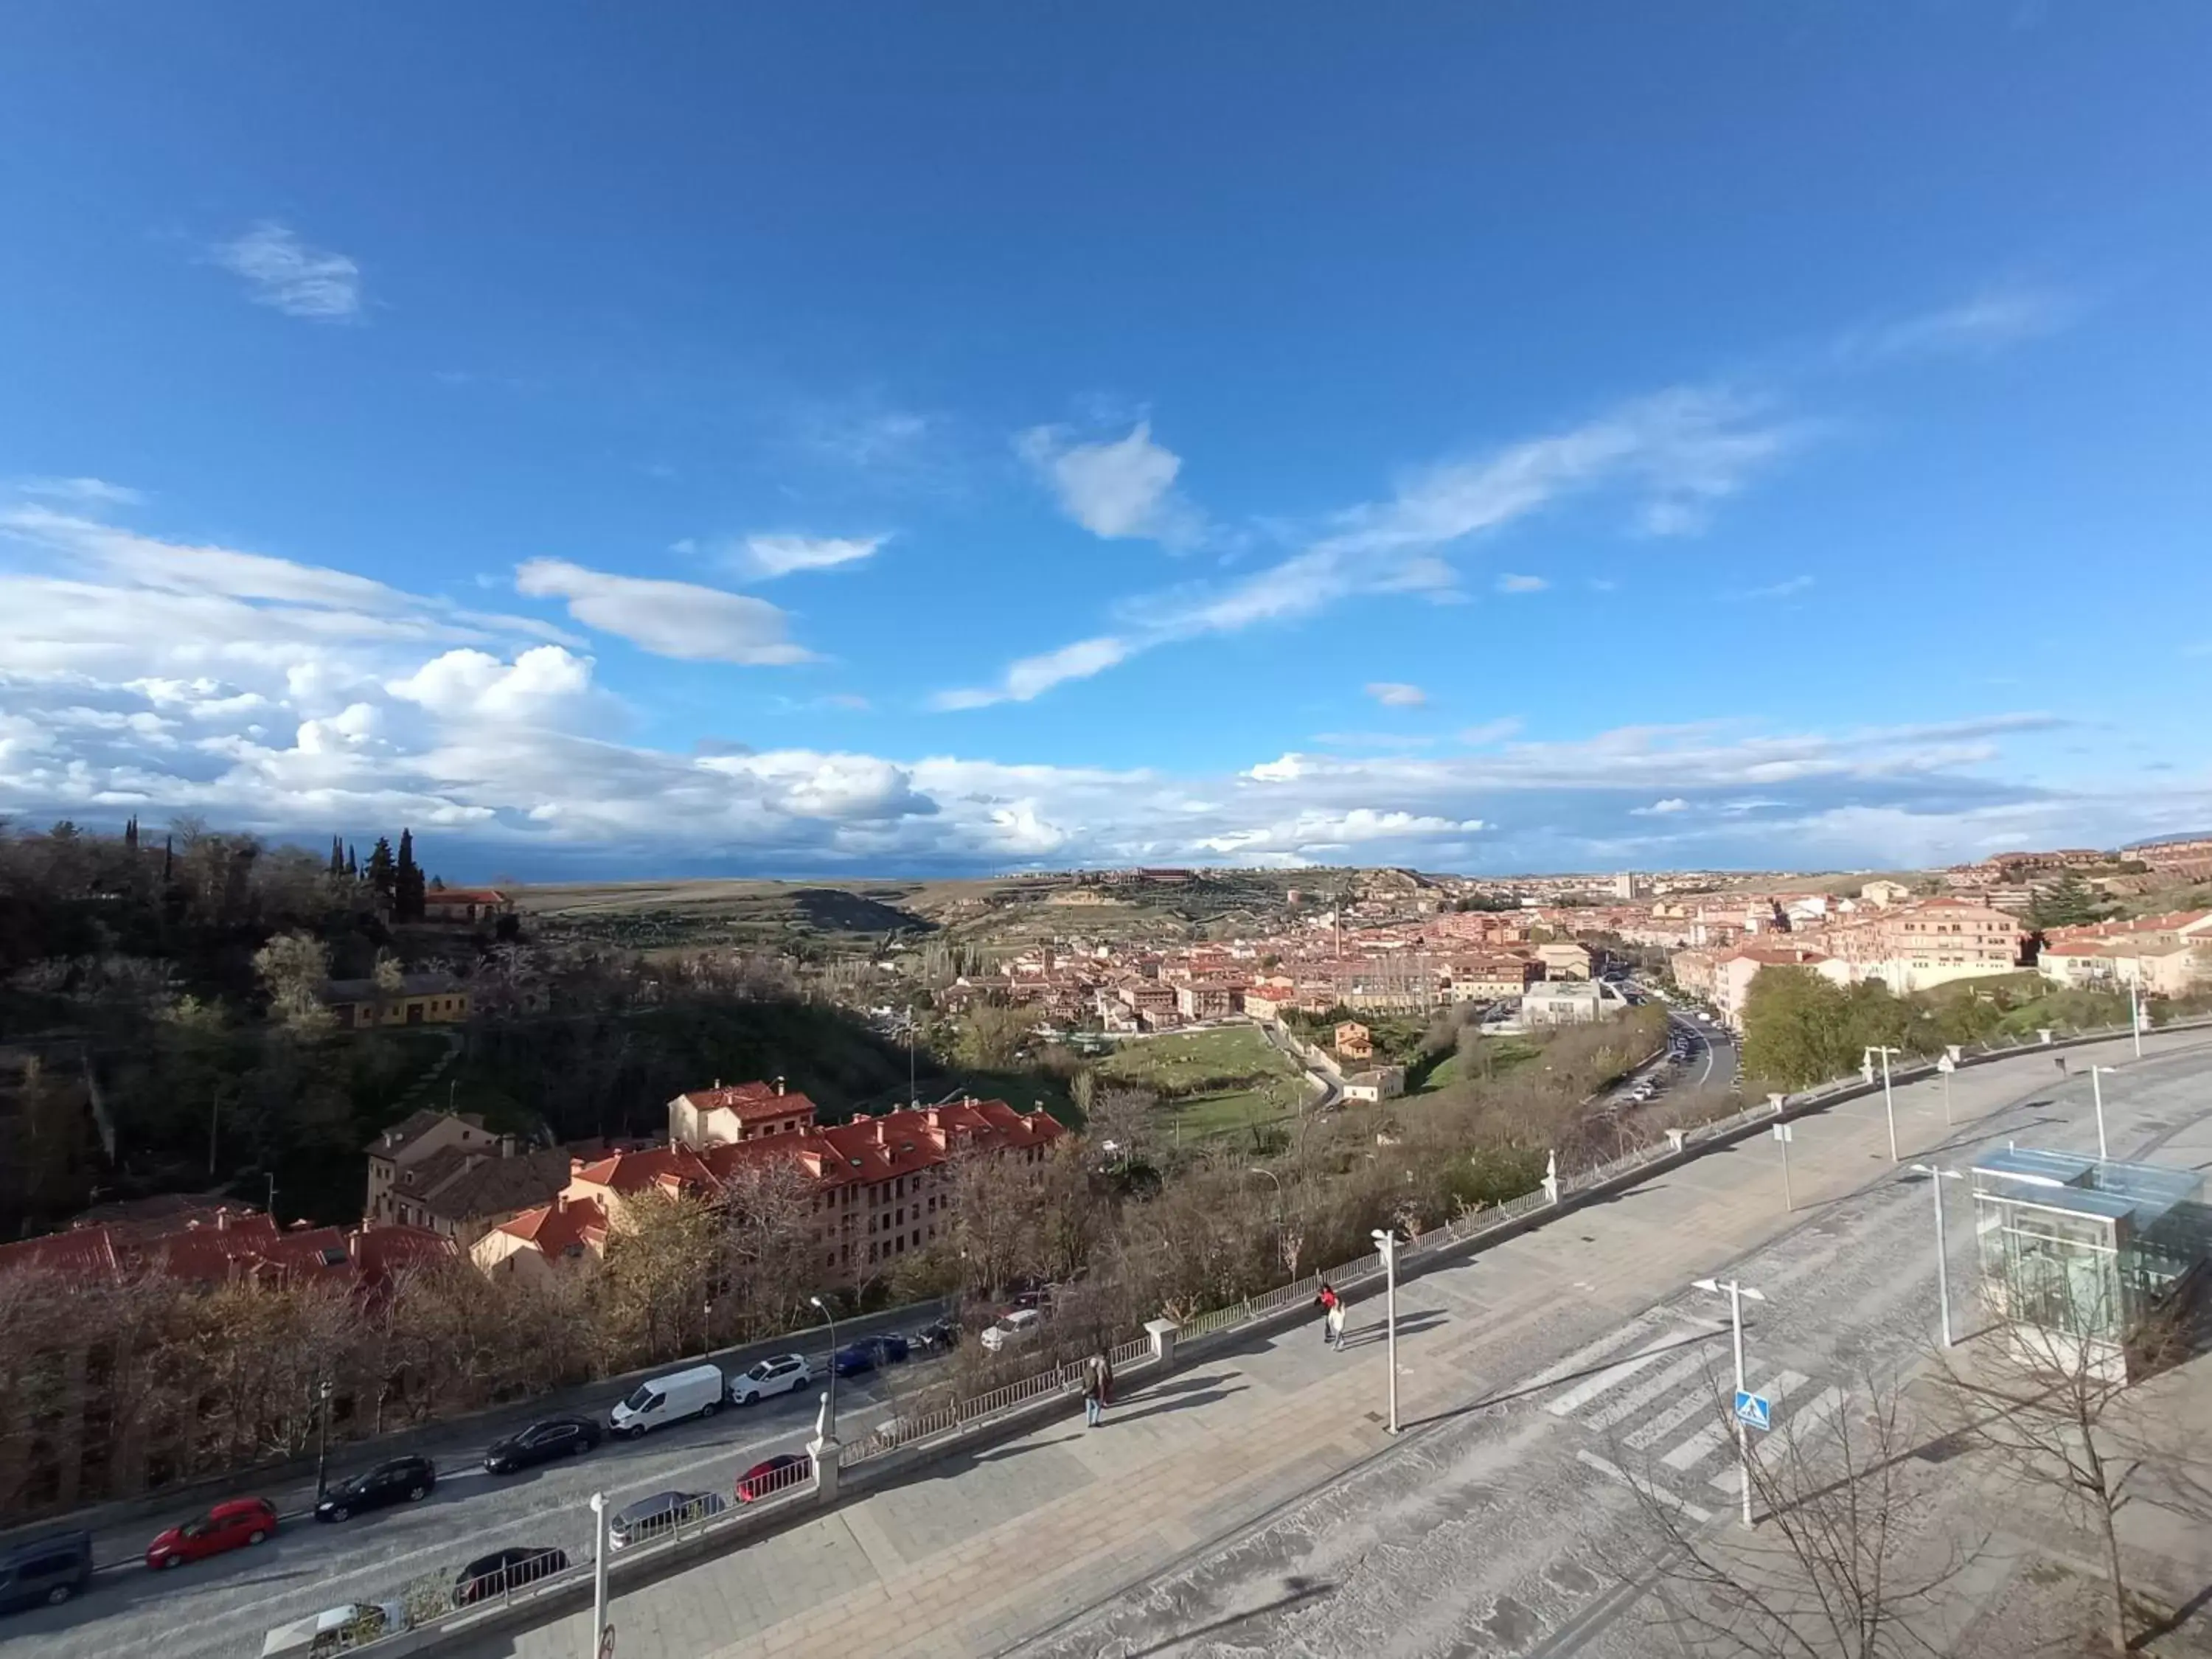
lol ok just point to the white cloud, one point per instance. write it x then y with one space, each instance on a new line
1394 694
670 619
90 492
766 556
476 684
1511 583
1119 487
1031 677
283 272
1673 803
1997 317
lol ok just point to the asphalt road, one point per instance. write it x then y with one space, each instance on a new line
1509 1526
223 1607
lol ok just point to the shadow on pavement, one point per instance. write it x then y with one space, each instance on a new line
1297 1592
1512 1395
1409 1325
1182 1403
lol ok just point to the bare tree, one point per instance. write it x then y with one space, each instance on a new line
767 1248
292 967
1121 1120
1838 1567
2053 1401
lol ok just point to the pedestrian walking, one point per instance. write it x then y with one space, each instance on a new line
1327 1303
1094 1392
2059 1060
1105 1379
1335 1322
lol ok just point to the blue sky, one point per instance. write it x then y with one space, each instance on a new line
814 439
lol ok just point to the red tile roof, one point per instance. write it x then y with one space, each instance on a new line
669 1168
554 1229
750 1101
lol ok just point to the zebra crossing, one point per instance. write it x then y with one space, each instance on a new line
1658 1407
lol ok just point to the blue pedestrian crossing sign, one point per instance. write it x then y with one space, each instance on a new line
1753 1409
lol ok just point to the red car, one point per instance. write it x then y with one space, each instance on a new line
228 1526
766 1478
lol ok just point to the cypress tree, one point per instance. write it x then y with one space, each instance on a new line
381 871
407 881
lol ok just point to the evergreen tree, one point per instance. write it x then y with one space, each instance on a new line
168 857
2067 903
382 872
353 864
337 858
131 835
407 881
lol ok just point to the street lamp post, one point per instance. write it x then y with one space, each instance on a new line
322 1436
1944 1067
1937 1177
830 1422
602 1633
2134 1014
1386 1241
2097 1094
1736 1290
1888 1100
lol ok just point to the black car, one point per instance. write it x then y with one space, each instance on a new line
401 1480
501 1570
939 1336
44 1572
541 1443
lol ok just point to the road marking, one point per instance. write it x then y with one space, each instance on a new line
1702 1444
1614 1471
1583 1358
1590 1387
1636 1399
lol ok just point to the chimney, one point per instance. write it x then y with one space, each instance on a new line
718 1082
560 1202
779 1085
222 1220
883 1132
506 1145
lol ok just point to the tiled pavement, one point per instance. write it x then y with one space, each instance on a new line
980 1553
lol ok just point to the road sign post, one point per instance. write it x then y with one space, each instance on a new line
1782 1134
1944 1067
1736 1290
1753 1410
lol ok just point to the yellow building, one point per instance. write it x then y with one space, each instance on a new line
419 999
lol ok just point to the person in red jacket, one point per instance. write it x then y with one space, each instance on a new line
1332 1314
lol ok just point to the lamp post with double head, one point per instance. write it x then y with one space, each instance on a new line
1888 1099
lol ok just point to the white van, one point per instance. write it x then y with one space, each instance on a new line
663 1400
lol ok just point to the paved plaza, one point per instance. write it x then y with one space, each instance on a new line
1253 1502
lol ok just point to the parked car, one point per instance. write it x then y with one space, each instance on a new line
868 1353
939 1336
45 1571
334 1629
664 1511
541 1443
761 1480
501 1570
784 1374
401 1480
1010 1329
228 1526
695 1392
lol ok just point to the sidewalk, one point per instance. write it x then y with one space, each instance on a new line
986 1550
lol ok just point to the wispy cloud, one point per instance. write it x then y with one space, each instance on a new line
1676 456
1660 809
285 274
767 557
1492 731
87 492
670 619
1395 693
1781 589
1031 677
1997 317
1116 487
1511 583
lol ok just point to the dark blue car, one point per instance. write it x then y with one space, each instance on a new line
867 1353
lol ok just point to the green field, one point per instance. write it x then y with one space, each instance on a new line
1209 1082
